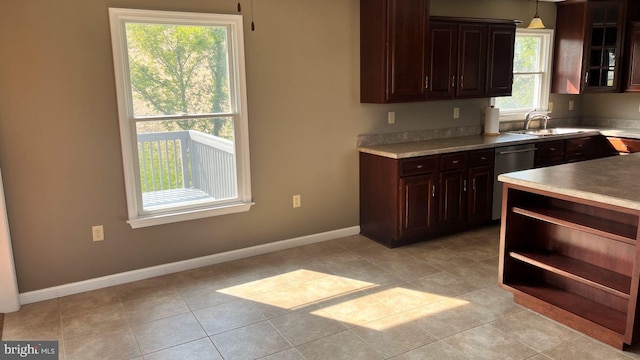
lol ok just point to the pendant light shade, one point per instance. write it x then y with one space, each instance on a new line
536 22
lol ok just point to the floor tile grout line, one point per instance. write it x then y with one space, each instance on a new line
499 315
367 343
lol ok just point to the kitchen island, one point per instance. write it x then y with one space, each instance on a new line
568 245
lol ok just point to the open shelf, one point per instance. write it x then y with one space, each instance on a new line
588 309
606 280
583 222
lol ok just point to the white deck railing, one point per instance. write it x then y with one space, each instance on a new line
186 159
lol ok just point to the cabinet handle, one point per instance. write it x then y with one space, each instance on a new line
552 149
433 191
420 166
456 161
483 158
462 82
586 77
426 82
473 184
453 81
464 186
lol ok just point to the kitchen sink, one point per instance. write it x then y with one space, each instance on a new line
549 132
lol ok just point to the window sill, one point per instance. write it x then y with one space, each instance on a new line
160 219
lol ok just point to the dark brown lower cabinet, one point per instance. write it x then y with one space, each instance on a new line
556 152
480 194
453 185
549 153
624 145
419 210
408 200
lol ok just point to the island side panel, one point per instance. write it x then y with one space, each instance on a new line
379 203
633 322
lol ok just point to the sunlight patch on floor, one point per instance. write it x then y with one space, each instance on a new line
340 298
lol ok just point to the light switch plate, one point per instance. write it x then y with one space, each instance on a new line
456 112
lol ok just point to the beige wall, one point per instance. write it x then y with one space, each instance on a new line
615 106
60 146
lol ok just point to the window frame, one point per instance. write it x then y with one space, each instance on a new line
137 217
546 58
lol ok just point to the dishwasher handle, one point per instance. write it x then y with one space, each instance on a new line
516 151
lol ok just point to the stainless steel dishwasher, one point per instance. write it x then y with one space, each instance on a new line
509 159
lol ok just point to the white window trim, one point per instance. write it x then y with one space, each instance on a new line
137 219
547 58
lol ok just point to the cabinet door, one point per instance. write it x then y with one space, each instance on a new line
407 55
417 203
442 71
604 45
500 60
633 81
453 189
472 60
393 51
569 48
480 199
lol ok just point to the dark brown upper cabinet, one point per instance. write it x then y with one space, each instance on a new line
470 58
404 58
393 50
589 46
633 79
458 61
502 38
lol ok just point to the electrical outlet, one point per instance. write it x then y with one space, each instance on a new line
456 112
98 232
296 201
571 105
391 117
550 106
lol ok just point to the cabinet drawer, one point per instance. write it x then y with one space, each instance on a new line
454 161
542 161
579 145
481 158
419 165
550 148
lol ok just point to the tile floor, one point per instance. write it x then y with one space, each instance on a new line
348 298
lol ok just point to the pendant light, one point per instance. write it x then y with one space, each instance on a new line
536 22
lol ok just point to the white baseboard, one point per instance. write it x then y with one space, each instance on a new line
140 274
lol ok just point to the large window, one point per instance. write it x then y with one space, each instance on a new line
180 82
531 74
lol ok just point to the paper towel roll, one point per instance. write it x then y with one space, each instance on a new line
492 121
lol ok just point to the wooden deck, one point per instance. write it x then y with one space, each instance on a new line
159 199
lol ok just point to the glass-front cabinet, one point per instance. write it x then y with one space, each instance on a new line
605 44
589 46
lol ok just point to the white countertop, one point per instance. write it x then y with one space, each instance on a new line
464 143
611 180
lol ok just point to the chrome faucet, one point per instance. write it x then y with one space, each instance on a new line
530 116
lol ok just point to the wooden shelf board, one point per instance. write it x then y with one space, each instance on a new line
582 222
588 309
606 280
